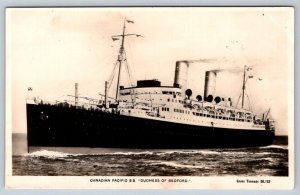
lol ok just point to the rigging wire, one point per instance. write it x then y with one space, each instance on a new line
251 97
128 70
113 73
131 67
238 101
249 101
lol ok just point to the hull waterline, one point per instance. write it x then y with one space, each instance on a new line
56 126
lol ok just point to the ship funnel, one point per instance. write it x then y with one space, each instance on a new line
181 73
210 83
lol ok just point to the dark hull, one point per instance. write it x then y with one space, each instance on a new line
54 126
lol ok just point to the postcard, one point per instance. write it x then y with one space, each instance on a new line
150 97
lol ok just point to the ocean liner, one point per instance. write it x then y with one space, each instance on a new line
148 115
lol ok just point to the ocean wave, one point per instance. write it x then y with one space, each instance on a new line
47 153
199 151
127 153
177 165
60 153
268 159
276 146
209 152
155 152
265 161
263 153
234 152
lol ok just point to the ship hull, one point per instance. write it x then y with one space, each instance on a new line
57 126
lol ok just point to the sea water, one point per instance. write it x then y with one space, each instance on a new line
260 161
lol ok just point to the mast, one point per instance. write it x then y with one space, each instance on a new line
122 53
76 94
106 94
244 86
120 59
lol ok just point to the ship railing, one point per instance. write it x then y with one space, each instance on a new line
264 124
259 126
113 108
258 122
72 104
222 114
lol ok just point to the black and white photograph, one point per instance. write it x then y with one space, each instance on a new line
150 97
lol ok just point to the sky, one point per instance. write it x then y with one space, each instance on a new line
49 49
